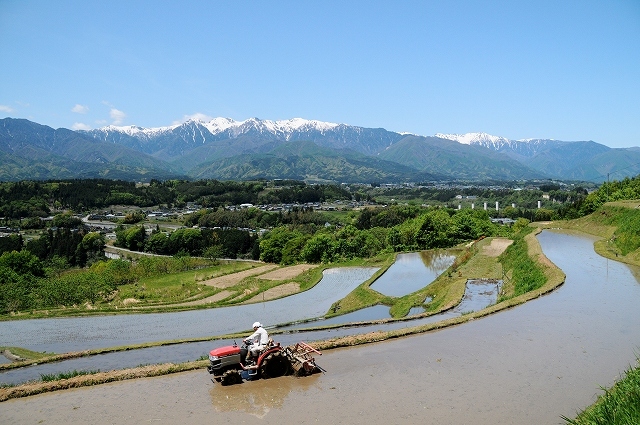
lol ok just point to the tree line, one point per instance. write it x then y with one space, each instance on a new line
66 265
28 283
38 198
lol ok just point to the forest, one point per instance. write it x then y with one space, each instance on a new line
24 199
65 263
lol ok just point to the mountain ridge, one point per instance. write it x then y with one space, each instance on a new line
223 148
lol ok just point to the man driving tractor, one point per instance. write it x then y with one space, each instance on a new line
257 341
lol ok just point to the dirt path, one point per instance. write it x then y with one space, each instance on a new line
277 292
263 272
235 278
287 272
281 290
496 247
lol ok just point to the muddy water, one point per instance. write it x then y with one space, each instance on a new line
527 365
74 334
478 294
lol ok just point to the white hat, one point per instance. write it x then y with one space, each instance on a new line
257 325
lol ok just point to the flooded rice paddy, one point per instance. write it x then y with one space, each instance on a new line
527 365
478 295
412 271
80 333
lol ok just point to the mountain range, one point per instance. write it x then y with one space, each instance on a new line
300 149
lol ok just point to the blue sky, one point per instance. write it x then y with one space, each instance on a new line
567 70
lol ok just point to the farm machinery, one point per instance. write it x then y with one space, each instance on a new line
228 366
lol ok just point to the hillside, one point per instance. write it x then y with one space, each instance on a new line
33 151
301 149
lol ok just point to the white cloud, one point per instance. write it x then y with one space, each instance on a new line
80 109
117 116
5 108
197 116
80 126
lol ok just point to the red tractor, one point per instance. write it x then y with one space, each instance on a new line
226 363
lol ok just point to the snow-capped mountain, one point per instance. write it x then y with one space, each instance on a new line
169 142
195 142
223 148
526 147
474 138
282 128
228 126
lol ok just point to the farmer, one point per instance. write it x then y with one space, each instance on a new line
258 340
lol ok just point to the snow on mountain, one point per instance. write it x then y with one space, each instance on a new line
285 129
221 127
135 131
282 128
474 138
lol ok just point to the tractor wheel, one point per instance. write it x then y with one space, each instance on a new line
230 377
274 365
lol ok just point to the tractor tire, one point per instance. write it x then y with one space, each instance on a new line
230 377
274 365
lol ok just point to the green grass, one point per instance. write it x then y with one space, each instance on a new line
445 291
44 377
363 296
525 274
619 405
23 353
177 287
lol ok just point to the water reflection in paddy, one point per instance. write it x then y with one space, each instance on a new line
585 280
80 333
412 271
479 294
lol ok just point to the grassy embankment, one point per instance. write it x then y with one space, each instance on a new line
619 405
176 292
618 226
162 288
447 291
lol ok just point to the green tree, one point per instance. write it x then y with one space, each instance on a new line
132 238
158 243
319 248
134 217
435 230
212 252
543 214
471 225
187 240
273 242
12 242
292 249
20 273
23 263
67 220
